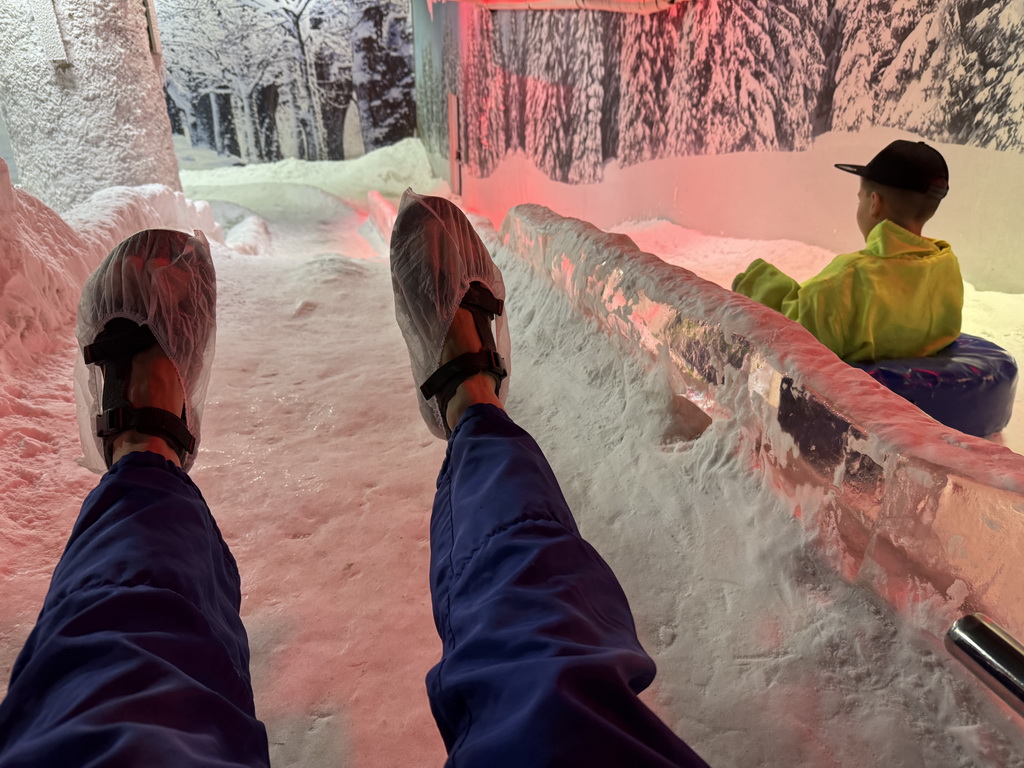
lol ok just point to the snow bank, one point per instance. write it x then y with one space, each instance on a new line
922 513
44 263
46 258
110 215
352 180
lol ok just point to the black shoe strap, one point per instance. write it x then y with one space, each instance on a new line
457 370
479 297
127 341
149 421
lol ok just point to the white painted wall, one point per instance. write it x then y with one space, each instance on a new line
786 195
96 121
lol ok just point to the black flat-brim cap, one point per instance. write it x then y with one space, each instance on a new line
909 165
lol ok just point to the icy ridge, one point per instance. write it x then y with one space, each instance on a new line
382 214
923 513
126 210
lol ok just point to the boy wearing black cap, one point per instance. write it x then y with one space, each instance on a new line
901 296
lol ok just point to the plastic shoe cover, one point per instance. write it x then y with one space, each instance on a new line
435 255
160 278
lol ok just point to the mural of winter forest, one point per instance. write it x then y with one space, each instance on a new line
266 79
575 89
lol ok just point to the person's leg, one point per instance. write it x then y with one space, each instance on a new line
541 663
138 656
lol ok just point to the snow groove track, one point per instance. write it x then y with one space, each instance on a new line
322 475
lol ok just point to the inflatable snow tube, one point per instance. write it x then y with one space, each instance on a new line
968 386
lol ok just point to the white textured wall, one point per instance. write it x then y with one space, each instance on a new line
96 121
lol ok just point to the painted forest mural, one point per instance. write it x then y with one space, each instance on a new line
267 79
574 90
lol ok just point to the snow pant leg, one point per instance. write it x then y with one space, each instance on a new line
139 657
541 665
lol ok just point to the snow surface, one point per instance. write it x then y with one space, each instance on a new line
200 158
321 475
351 180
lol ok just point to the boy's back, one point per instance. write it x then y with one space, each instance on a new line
902 295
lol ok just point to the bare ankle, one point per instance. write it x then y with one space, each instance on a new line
154 384
475 390
133 442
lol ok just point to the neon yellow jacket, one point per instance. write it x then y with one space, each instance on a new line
899 297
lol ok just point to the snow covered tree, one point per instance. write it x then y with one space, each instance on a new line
611 33
986 99
881 39
431 109
548 117
205 61
949 70
293 17
586 98
329 44
483 90
450 59
282 72
449 79
647 64
749 76
510 56
382 74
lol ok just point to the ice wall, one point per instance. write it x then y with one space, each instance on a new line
95 121
45 259
924 514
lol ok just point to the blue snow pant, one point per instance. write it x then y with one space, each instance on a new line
139 658
541 664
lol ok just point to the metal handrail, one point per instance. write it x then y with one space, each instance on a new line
992 654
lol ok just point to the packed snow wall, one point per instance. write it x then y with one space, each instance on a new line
47 258
701 114
262 81
80 93
924 514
